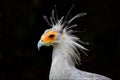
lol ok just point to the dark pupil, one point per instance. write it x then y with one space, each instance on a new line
51 36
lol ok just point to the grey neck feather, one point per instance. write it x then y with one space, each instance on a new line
64 56
61 54
66 51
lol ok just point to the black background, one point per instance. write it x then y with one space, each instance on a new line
21 25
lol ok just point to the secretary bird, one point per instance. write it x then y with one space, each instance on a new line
65 49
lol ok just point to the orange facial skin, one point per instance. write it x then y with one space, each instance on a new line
49 37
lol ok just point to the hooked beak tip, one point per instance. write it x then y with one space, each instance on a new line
39 44
39 49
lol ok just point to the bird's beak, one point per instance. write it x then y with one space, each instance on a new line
40 43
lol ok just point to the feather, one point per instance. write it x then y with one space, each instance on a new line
53 16
51 19
78 15
45 18
69 12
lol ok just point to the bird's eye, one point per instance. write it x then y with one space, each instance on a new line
51 35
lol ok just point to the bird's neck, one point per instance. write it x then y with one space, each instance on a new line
60 56
64 57
64 53
61 63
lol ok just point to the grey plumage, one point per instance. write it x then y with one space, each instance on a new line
63 62
65 51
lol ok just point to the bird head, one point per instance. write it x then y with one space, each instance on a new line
49 37
59 29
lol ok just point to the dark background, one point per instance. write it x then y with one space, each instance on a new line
21 25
